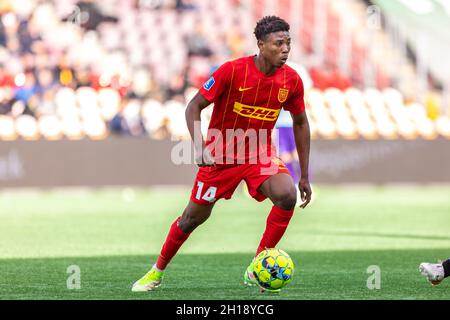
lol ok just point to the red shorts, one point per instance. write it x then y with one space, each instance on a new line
214 183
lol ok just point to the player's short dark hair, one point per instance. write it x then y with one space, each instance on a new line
268 25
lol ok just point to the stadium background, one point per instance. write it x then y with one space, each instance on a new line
92 100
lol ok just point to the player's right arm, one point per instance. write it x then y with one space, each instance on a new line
193 110
211 91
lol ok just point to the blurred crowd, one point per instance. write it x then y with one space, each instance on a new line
139 77
46 46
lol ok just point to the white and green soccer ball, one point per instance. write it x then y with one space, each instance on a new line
273 269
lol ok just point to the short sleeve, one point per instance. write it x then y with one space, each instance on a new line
296 102
217 83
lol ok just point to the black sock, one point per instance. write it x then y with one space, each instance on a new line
446 265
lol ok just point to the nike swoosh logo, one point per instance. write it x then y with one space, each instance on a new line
244 89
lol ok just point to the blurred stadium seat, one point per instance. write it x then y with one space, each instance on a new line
26 127
50 127
72 128
153 114
175 111
109 101
7 128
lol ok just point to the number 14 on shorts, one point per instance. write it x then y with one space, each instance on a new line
209 195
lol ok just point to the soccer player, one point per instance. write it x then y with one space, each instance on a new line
248 94
435 272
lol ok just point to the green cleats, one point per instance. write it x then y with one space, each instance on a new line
150 281
249 276
250 279
270 290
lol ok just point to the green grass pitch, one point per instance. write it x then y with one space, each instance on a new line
114 236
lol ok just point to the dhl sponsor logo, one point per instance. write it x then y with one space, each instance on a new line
256 112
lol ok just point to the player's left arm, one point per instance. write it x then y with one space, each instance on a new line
303 141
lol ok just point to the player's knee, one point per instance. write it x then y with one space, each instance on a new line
187 224
288 203
286 200
189 221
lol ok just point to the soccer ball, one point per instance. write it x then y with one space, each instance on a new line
273 269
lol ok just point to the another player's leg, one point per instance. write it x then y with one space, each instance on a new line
281 190
292 164
435 272
287 149
193 216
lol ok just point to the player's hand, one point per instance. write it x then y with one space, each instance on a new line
305 192
205 159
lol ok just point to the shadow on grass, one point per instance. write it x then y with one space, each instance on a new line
318 275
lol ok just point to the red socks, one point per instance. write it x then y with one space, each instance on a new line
174 241
276 225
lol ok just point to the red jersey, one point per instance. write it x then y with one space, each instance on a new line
247 99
